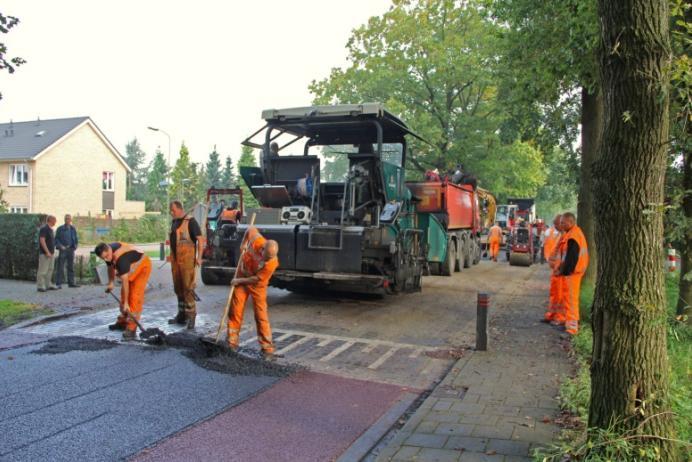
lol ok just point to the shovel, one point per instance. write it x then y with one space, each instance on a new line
153 335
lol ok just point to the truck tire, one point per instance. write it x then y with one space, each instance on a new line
459 260
450 260
209 277
467 253
477 253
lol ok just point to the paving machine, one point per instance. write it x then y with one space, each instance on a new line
358 234
224 212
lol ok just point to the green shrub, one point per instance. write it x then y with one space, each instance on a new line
19 245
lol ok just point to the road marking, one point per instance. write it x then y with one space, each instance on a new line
383 358
250 340
415 353
369 347
282 337
292 345
337 351
324 342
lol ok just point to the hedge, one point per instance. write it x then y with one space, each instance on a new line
19 245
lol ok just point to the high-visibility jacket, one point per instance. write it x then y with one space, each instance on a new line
122 250
231 215
550 241
578 235
495 233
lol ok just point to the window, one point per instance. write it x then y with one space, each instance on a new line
19 175
19 210
108 181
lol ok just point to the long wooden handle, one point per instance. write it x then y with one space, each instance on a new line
224 316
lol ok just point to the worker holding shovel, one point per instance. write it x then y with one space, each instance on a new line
133 268
256 266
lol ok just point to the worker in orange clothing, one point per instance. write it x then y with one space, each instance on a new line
187 244
551 251
575 260
494 240
133 268
257 265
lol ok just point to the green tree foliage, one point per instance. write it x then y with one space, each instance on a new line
135 158
247 159
214 173
3 203
199 184
434 64
227 176
183 179
6 63
559 193
156 193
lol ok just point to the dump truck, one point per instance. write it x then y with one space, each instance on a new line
457 208
359 232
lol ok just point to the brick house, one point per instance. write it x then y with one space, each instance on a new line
63 166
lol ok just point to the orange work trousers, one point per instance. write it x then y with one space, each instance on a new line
570 291
494 247
135 299
183 269
235 316
556 309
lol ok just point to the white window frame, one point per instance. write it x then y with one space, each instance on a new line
108 183
19 209
14 169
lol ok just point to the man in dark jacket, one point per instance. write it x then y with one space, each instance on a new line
66 241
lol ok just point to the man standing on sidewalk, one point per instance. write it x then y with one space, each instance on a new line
258 263
575 260
186 254
551 251
46 256
66 241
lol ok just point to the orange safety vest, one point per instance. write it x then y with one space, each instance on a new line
495 233
583 261
124 248
550 242
232 215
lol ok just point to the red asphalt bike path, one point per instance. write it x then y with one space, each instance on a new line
305 417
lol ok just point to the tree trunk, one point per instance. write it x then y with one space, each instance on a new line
629 372
591 127
685 297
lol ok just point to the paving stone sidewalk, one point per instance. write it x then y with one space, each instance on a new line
494 405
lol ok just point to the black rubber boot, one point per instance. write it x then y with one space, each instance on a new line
178 319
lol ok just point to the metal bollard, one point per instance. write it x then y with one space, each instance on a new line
482 321
162 252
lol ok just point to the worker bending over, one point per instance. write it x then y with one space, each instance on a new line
575 260
494 241
186 253
555 314
133 268
258 263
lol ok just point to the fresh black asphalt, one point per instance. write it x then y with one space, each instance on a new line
106 403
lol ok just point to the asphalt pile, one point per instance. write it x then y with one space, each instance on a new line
220 359
60 345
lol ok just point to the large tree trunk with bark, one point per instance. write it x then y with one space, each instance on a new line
591 127
629 372
684 307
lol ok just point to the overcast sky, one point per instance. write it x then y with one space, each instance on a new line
202 71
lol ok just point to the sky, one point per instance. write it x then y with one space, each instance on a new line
202 71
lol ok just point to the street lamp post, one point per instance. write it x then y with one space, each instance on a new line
170 167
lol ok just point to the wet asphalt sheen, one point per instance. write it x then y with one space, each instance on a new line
104 404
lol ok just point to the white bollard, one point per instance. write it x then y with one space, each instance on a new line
671 262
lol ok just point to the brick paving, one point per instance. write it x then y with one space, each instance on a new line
494 405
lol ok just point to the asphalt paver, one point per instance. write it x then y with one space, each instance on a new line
306 417
106 404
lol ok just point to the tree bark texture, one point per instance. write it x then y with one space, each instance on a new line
685 285
629 372
591 127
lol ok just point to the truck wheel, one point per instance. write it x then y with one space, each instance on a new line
450 261
459 258
209 277
468 253
476 253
